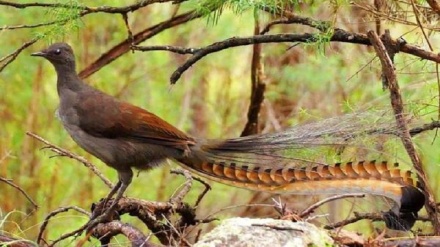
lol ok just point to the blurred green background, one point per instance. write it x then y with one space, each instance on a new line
210 100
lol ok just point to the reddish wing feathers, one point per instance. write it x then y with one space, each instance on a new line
103 116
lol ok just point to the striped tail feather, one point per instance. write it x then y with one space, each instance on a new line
360 177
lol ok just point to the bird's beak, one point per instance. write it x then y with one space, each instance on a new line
39 54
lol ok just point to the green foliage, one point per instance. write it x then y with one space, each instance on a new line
320 41
66 20
213 9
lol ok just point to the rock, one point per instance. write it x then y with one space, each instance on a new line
238 232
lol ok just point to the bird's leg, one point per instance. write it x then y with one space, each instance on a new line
125 178
112 192
98 210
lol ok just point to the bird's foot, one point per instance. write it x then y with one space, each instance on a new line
100 214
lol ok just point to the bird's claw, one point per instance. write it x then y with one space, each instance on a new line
94 221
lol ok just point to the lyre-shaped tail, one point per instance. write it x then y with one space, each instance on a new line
371 177
283 162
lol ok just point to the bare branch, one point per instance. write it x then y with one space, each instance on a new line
127 25
258 86
63 152
68 235
29 26
85 10
6 60
397 105
52 214
291 18
9 182
175 49
359 216
36 4
155 216
102 9
207 186
178 197
105 231
306 212
356 218
339 35
15 242
126 45
429 126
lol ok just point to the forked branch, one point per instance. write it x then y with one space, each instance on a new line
397 105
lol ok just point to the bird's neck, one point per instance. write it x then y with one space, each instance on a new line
68 79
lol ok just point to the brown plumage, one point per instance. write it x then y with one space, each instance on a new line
124 137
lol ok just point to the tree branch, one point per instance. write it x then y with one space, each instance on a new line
339 35
397 104
9 182
126 45
359 216
306 212
291 18
105 231
100 9
6 60
52 214
15 242
62 152
258 87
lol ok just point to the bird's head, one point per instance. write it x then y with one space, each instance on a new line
59 54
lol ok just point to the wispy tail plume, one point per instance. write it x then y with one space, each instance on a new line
288 162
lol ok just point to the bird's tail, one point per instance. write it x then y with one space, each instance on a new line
277 163
361 177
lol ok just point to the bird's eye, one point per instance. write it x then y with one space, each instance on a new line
58 51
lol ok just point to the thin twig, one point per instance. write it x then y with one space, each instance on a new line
419 23
127 25
30 26
363 216
207 186
204 192
306 212
52 214
68 235
6 60
434 5
9 182
178 197
63 152
292 18
177 234
357 217
6 240
420 129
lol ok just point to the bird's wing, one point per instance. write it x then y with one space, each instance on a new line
103 116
